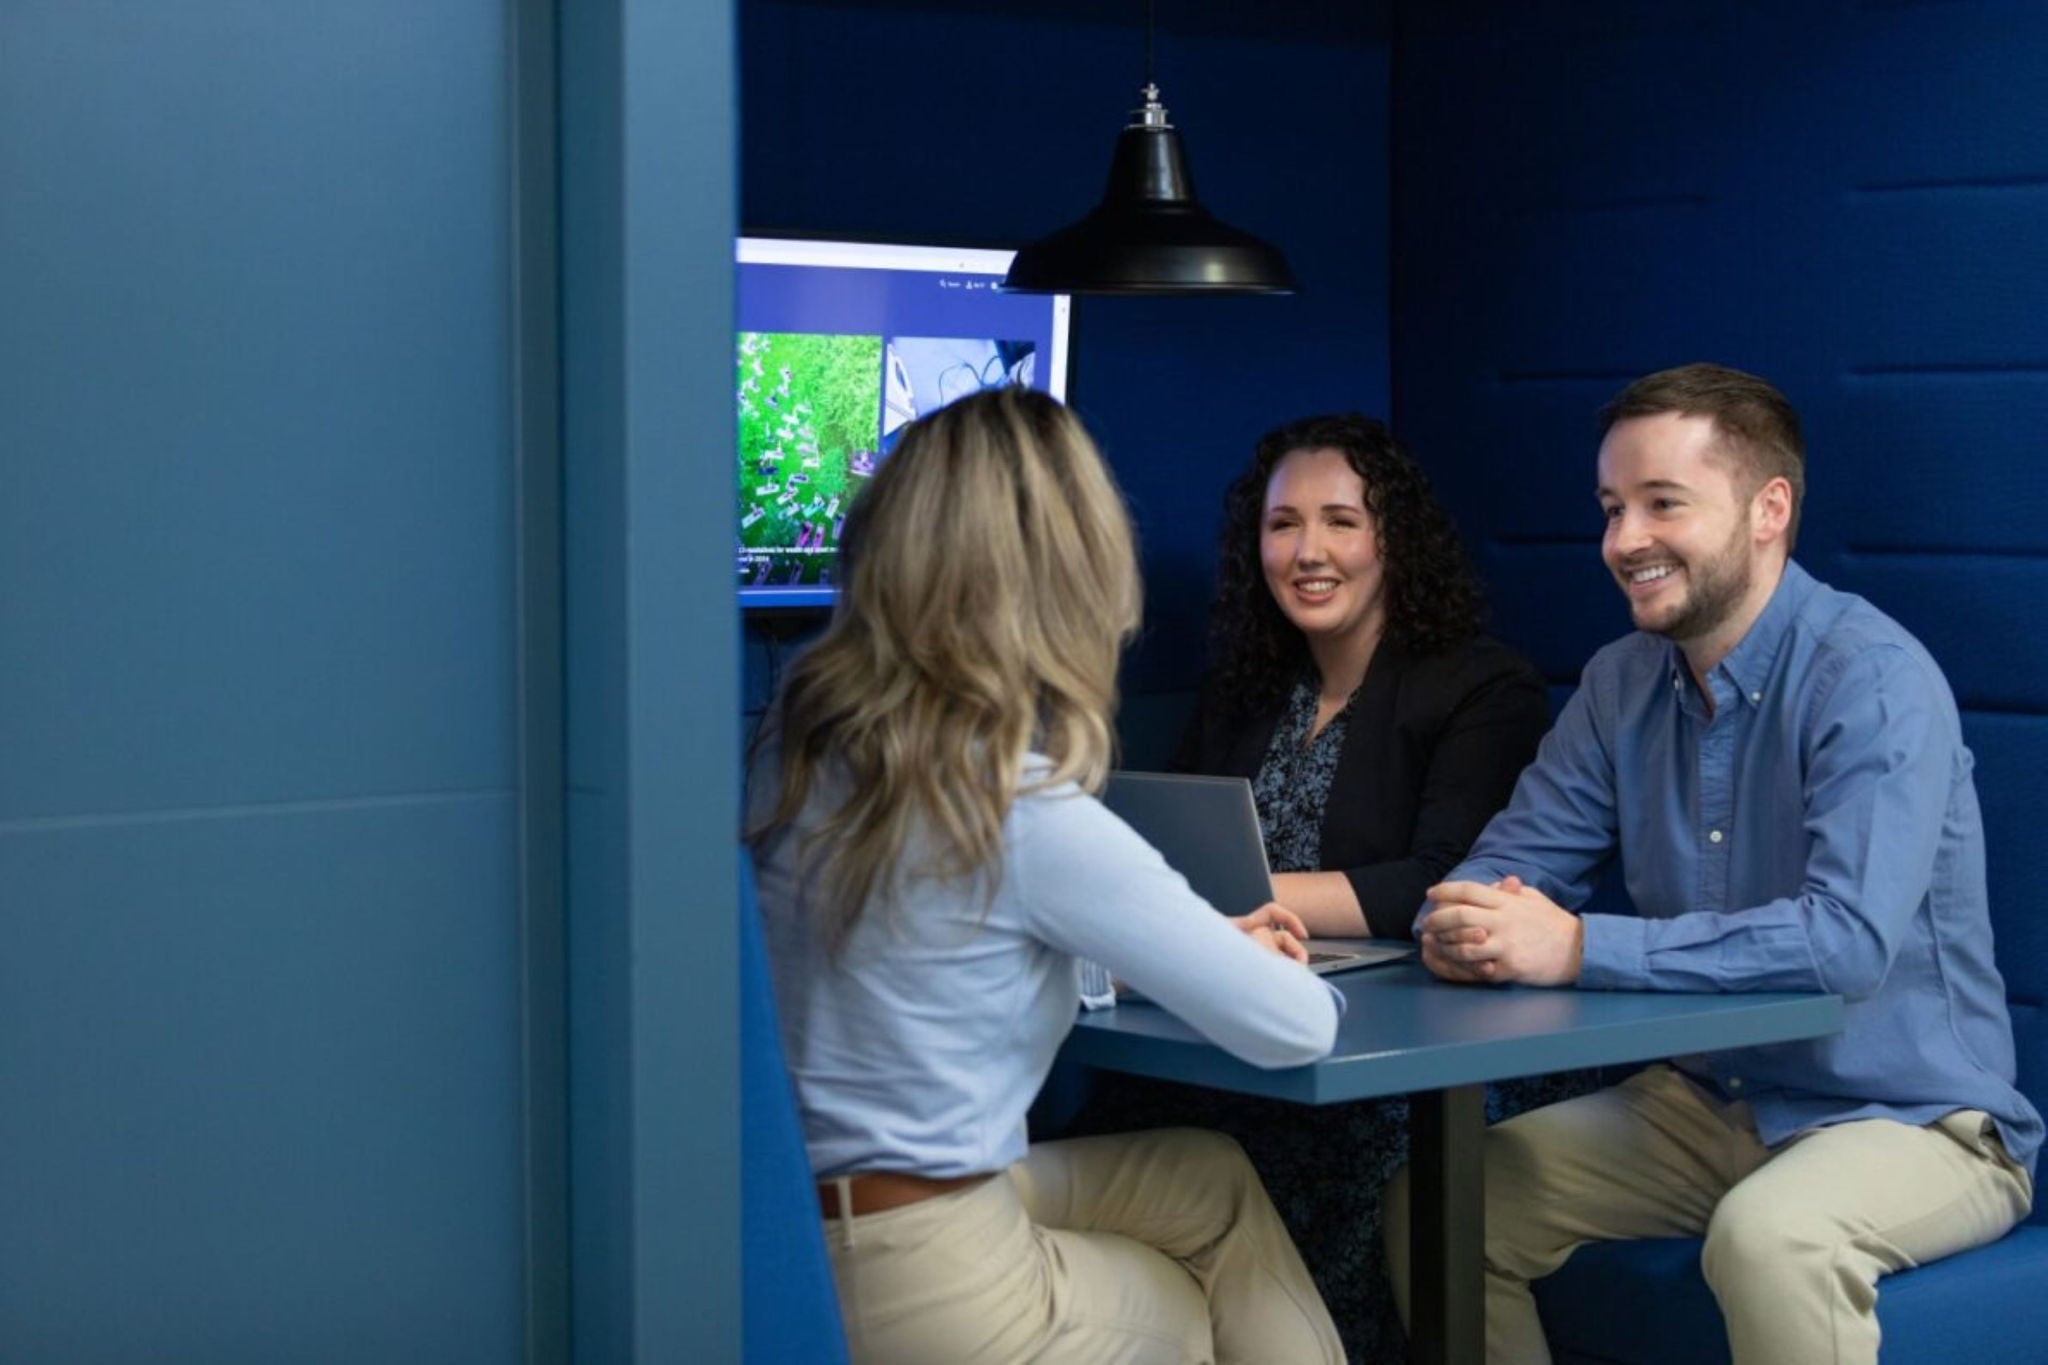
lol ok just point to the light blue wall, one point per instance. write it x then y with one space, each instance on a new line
293 387
259 1010
648 163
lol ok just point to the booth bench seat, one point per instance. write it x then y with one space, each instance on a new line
1645 1303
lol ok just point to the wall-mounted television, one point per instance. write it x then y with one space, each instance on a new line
840 344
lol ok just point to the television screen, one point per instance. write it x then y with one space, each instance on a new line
840 344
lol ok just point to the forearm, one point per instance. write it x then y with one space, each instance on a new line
1325 901
1254 1004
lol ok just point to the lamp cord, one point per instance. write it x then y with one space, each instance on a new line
1149 6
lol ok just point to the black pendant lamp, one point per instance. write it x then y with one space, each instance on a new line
1149 235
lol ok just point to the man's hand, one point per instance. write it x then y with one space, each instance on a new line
1498 933
1274 926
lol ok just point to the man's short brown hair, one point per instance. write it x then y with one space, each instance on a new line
1758 428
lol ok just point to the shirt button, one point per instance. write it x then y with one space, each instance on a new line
1713 836
1735 1082
1756 696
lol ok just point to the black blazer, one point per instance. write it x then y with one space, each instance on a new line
1433 749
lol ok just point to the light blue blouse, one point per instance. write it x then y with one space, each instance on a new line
922 1046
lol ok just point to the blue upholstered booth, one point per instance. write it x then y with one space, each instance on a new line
1644 1303
790 1310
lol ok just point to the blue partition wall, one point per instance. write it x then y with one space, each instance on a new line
290 347
260 1063
651 680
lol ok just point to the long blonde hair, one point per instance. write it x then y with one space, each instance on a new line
988 583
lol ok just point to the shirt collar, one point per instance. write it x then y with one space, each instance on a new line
1748 666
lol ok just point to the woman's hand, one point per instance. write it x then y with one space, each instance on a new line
1274 926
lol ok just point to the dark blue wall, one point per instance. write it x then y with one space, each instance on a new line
259 1000
916 120
1850 199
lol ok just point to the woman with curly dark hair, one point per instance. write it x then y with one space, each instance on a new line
1380 730
1349 680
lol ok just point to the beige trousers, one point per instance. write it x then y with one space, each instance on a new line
1796 1238
1140 1247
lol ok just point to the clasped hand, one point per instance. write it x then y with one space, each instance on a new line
1506 931
1276 927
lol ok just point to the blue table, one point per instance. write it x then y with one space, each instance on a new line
1406 1033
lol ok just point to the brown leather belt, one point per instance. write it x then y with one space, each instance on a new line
879 1191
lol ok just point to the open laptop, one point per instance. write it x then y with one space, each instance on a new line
1207 828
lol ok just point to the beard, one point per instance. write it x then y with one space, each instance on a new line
1715 589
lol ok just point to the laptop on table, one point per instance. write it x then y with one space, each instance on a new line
1207 828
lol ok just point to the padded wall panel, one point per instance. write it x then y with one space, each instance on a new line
1947 460
1967 609
1959 259
1552 597
262 1087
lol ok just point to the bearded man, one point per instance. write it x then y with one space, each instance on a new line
1780 770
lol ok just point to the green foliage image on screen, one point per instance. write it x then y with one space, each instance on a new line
810 415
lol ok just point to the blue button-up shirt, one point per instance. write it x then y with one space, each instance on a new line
1817 829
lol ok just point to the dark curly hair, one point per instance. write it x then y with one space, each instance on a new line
1433 599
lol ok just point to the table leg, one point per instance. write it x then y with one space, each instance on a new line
1447 1226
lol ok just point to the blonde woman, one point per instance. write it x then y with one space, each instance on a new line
932 863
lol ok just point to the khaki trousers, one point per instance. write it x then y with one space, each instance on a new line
1796 1238
1140 1247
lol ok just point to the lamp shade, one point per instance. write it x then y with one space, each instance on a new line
1149 235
